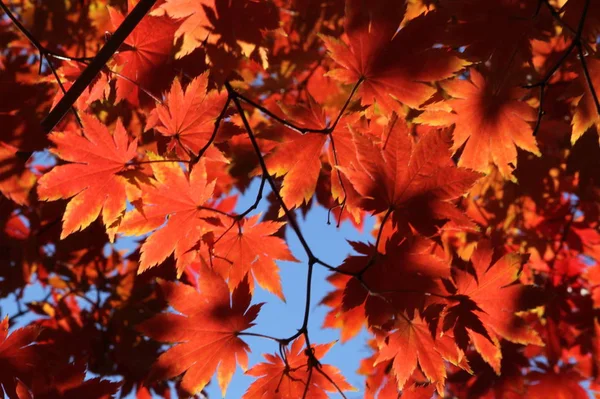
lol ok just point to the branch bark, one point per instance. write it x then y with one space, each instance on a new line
96 65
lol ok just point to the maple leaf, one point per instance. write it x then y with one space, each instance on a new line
237 25
413 273
188 117
16 180
18 358
196 28
417 181
348 321
410 343
586 114
390 63
180 200
144 50
206 331
496 298
99 89
279 379
92 177
252 248
298 158
491 120
68 383
379 380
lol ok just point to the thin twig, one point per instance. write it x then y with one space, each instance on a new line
293 126
575 43
213 136
588 78
43 53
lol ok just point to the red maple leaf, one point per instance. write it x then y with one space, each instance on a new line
18 358
68 383
92 177
418 182
287 379
565 384
298 157
145 49
206 331
413 273
495 301
392 65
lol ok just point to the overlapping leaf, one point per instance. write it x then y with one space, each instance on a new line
91 179
298 158
413 273
146 49
496 297
18 359
391 64
179 199
206 331
411 343
491 118
287 379
251 249
418 182
188 117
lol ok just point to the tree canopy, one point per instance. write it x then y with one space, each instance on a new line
467 129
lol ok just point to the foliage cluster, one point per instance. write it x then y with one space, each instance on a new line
467 128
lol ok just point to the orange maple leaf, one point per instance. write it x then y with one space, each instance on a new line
298 158
16 180
496 299
206 331
236 25
381 381
348 321
179 199
417 181
492 121
92 178
188 117
252 248
410 343
279 379
392 65
195 28
18 358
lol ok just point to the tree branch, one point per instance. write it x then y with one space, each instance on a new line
291 125
96 65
